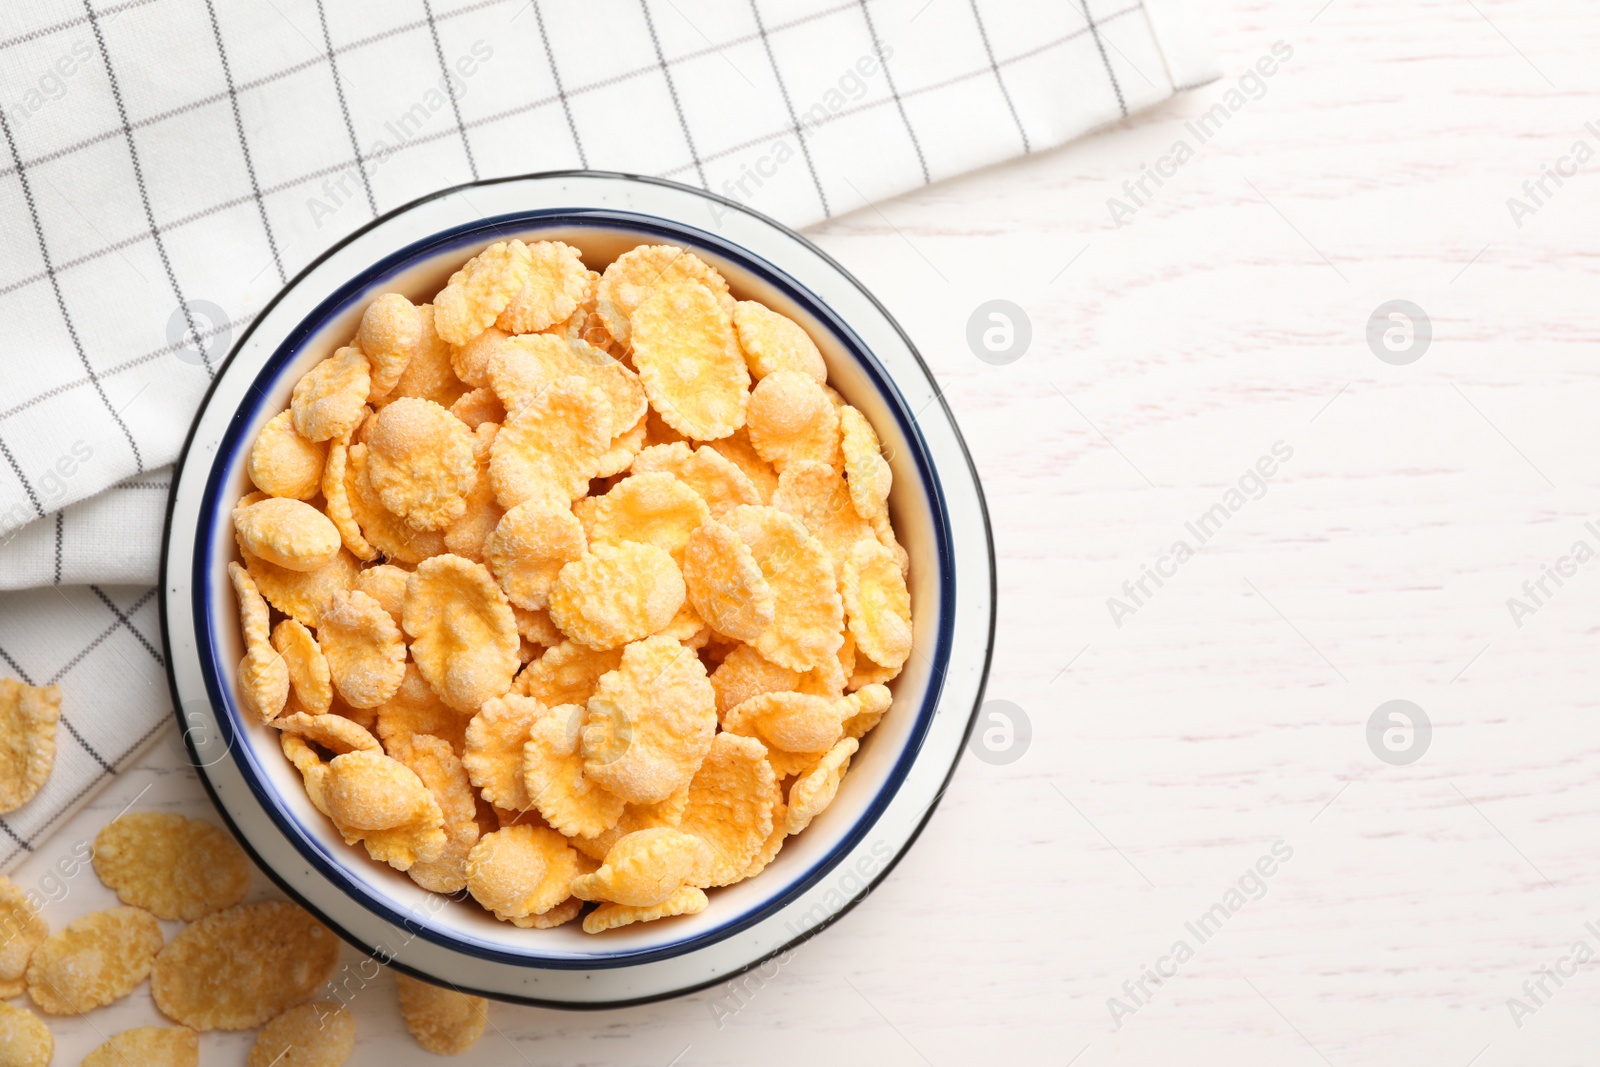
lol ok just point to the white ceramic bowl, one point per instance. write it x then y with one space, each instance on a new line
894 781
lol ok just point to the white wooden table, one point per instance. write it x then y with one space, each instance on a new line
1229 711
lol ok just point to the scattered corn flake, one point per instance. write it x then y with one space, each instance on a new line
330 401
528 548
794 722
774 342
738 450
816 494
521 870
151 1046
719 481
420 460
445 1022
441 770
365 651
868 704
171 866
386 584
319 1034
335 733
689 361
745 673
289 533
390 332
864 466
478 408
725 584
480 291
552 447
808 616
263 682
815 790
791 418
634 275
25 1040
654 508
567 673
309 679
336 502
650 722
646 867
615 594
556 284
284 464
553 775
95 960
28 717
494 745
730 806
22 929
877 604
686 901
464 635
235 969
300 594
429 374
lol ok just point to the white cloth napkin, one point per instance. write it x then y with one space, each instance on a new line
167 165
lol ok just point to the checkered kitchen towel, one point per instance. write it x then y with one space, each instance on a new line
167 165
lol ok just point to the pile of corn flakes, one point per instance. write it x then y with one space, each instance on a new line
571 587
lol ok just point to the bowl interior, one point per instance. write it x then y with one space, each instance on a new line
420 271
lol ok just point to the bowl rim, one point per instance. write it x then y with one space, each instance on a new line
466 233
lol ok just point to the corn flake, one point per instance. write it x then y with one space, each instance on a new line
390 331
551 447
553 775
25 1040
615 594
416 709
567 673
386 584
429 374
730 806
815 494
149 1046
284 464
791 418
95 960
689 361
652 508
173 867
521 870
719 481
319 1034
634 275
815 790
725 584
28 717
556 284
773 342
650 722
793 722
745 673
365 652
300 594
864 466
646 867
877 604
494 749
686 901
444 1022
808 616
335 733
528 548
263 675
420 461
738 450
464 635
330 401
480 291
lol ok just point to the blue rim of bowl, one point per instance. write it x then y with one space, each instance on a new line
461 236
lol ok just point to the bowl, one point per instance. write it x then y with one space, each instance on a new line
895 780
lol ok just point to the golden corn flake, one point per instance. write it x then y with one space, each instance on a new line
468 536
420 460
464 636
553 774
646 867
864 466
390 331
319 1034
689 361
877 604
773 342
444 1022
634 275
309 679
730 806
725 585
95 960
867 707
794 722
556 283
808 616
815 494
289 533
738 450
173 867
300 594
416 709
791 418
25 1040
470 361
718 480
150 1046
616 594
552 447
330 401
368 790
336 478
774 843
815 791
655 509
22 929
687 628
386 584
366 654
335 733
650 722
441 770
668 812
536 627
745 673
528 548
524 367
521 870
28 717
481 290
494 749
238 968
282 463
480 407
686 901
429 373
559 915
384 530
263 675
567 673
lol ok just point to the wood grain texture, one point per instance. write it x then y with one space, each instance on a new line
1229 712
